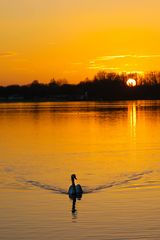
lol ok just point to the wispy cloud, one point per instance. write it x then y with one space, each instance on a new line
7 54
148 56
107 58
102 67
113 57
123 62
133 72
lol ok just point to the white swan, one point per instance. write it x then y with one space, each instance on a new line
75 190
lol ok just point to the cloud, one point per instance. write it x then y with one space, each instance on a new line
103 67
107 58
113 57
125 62
148 56
7 54
133 72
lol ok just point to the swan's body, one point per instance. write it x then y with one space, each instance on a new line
75 190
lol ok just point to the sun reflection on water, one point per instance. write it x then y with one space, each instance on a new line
132 111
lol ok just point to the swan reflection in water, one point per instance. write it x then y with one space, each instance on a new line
74 210
75 192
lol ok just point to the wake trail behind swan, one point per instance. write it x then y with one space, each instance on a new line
131 178
86 190
46 186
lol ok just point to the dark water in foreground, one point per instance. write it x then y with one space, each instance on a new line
113 147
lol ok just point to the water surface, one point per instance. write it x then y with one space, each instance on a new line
113 147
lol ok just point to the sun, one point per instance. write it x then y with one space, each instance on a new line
131 82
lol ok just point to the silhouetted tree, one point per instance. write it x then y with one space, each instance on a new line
103 86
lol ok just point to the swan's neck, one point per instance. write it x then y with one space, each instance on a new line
73 183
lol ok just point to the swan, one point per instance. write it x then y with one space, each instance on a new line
75 190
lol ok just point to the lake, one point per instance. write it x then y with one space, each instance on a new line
114 149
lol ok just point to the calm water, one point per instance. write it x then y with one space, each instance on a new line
113 147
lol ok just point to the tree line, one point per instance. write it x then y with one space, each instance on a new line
104 86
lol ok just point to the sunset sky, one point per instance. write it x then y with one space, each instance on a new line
74 39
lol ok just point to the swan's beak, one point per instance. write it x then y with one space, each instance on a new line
75 177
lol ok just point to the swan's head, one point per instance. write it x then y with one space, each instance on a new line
73 176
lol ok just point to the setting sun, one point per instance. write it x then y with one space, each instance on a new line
131 82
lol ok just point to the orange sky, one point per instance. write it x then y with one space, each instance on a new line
74 39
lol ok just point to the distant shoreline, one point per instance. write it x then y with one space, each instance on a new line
104 87
63 100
